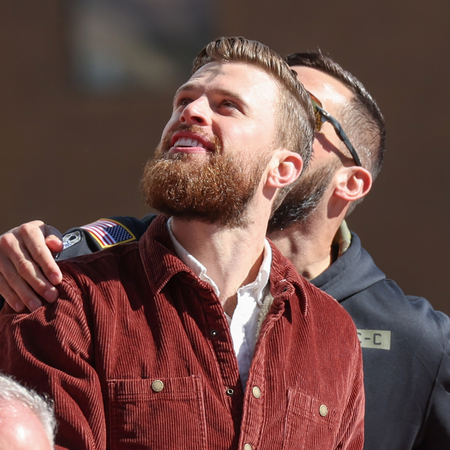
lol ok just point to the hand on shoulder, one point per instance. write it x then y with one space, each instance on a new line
27 267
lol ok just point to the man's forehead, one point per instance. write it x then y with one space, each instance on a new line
235 76
323 86
192 86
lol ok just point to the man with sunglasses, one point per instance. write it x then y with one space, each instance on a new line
405 342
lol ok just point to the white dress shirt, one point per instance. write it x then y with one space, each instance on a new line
244 323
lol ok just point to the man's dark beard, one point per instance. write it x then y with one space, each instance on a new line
211 188
303 199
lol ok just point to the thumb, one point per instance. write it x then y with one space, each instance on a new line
53 239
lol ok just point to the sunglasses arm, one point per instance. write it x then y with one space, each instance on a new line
340 132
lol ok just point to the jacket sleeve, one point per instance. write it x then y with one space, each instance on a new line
51 350
101 234
435 431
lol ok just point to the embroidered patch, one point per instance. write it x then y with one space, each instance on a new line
108 232
71 238
380 339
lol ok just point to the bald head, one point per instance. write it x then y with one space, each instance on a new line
27 420
21 429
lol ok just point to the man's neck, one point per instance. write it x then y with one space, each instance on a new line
308 246
232 256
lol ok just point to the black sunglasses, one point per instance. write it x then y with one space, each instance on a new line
323 116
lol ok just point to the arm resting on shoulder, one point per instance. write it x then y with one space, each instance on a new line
28 271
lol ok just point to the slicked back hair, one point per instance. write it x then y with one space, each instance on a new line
361 119
294 117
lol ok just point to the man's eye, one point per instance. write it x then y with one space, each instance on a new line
229 104
182 101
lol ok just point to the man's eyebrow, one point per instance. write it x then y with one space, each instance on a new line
191 87
184 88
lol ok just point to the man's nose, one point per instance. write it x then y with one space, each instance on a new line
196 112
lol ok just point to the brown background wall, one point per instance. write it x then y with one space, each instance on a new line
69 158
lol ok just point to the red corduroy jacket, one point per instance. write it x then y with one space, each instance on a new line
137 353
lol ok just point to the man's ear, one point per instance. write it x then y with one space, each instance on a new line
284 168
352 183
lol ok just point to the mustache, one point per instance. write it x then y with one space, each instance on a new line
214 142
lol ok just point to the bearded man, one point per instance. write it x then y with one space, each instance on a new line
405 342
202 335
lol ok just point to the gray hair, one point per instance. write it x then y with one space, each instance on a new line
11 391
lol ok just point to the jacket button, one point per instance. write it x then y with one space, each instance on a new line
214 333
230 392
323 410
256 392
157 385
247 447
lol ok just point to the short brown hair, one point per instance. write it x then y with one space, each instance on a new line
361 119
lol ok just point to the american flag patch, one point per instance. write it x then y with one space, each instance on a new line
108 232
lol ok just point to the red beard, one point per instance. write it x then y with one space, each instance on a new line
211 188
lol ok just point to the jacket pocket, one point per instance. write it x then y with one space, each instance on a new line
161 413
310 423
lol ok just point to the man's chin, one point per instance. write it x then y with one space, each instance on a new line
215 189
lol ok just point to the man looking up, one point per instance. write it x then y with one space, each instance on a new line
405 342
202 335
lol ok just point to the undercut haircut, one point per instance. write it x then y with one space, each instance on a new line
361 118
294 116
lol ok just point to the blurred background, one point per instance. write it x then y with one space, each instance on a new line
86 88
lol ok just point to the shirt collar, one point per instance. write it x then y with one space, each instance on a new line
343 239
200 270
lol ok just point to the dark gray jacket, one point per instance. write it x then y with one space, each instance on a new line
406 351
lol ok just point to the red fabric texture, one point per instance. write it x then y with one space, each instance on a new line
135 314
